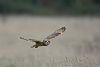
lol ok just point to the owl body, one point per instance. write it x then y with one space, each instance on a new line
39 43
46 40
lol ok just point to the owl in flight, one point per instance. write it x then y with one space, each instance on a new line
46 40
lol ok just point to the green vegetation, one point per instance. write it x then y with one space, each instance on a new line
50 7
7 65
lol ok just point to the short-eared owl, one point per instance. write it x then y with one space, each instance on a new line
46 40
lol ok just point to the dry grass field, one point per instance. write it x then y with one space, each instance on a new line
79 46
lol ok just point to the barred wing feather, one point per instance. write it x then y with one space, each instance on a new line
32 40
56 33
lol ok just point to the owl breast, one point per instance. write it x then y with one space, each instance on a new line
46 42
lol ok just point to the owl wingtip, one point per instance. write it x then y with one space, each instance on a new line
21 37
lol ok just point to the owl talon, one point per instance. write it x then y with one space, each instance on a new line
34 46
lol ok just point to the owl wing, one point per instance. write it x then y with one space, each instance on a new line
32 40
56 33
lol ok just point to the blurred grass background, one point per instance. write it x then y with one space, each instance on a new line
79 46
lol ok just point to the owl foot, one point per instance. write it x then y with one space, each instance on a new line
34 46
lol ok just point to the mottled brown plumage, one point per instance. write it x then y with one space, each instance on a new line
46 40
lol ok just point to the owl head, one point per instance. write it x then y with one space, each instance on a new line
46 42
